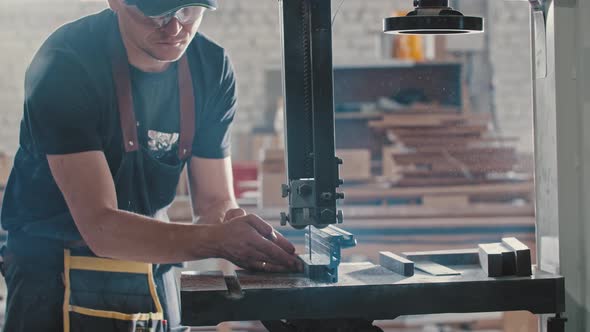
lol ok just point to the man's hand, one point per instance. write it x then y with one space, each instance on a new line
249 242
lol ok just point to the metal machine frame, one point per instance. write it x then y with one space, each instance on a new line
312 167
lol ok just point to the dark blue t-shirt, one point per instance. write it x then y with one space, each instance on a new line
71 106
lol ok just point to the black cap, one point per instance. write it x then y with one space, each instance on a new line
163 7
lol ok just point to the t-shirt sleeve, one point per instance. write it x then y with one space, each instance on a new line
212 138
61 110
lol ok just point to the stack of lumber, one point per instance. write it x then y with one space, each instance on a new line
444 151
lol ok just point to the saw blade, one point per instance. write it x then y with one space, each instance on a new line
309 240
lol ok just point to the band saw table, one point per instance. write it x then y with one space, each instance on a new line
364 292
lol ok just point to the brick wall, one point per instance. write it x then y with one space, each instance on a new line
249 31
510 54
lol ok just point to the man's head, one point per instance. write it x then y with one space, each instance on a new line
159 29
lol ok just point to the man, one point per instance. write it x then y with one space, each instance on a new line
116 104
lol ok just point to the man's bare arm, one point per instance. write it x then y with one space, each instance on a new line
212 190
86 183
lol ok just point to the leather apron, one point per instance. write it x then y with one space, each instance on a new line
83 292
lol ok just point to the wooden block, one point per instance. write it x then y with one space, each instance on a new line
446 257
459 201
272 154
497 259
389 168
435 269
396 263
270 190
508 260
5 168
490 258
523 256
261 142
357 164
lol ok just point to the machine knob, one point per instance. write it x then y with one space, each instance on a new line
339 161
285 190
284 219
339 195
340 217
340 181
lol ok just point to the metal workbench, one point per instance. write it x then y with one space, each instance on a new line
365 292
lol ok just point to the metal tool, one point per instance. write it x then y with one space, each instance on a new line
312 167
324 247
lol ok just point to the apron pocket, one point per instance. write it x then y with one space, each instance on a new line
110 295
91 323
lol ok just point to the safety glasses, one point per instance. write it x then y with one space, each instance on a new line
185 16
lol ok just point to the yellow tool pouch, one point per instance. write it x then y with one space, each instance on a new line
110 295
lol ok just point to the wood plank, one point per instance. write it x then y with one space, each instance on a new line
395 263
205 281
490 258
523 256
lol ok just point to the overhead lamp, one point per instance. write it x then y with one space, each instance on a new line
433 17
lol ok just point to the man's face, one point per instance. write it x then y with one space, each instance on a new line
164 43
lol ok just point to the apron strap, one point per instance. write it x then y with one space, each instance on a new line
120 68
187 109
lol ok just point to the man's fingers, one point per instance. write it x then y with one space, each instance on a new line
282 242
272 268
261 226
234 213
271 234
276 254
